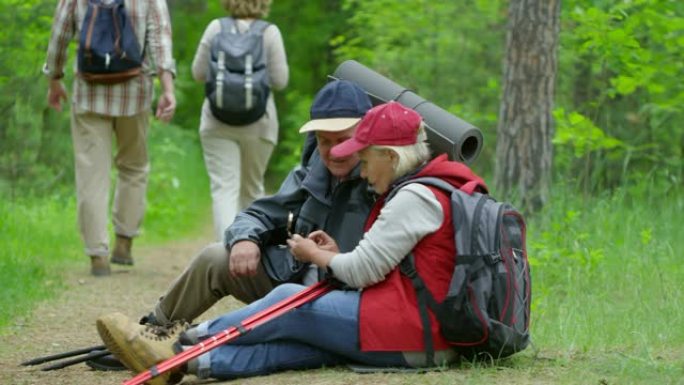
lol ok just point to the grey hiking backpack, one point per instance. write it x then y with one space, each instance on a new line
237 83
486 312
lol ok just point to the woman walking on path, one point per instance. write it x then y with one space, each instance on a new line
236 156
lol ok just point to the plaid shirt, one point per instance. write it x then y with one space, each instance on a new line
152 26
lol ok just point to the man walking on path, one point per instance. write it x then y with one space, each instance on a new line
100 111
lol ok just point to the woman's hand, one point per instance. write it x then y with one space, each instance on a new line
324 241
302 248
306 250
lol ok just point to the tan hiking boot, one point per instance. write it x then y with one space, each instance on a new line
121 255
139 347
99 266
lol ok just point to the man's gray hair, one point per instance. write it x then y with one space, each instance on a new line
410 156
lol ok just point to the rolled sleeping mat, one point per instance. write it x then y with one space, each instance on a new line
446 133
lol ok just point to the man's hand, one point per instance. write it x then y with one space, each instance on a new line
166 107
56 93
244 259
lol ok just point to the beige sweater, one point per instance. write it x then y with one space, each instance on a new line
278 70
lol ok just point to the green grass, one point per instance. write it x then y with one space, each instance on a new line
608 295
39 237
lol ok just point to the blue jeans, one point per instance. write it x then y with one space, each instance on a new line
321 332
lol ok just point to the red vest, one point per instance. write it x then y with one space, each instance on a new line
388 318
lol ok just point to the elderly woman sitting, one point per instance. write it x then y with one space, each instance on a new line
379 325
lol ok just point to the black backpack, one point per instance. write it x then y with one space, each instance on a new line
486 312
108 50
237 83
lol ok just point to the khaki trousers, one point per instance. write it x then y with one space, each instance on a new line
236 162
92 136
204 282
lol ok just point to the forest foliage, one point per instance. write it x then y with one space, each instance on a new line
619 96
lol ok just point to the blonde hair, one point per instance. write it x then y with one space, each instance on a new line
410 156
247 9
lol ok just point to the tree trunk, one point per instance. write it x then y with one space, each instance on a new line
526 125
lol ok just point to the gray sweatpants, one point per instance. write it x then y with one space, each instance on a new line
204 282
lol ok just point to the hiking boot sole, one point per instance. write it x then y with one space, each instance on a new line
121 261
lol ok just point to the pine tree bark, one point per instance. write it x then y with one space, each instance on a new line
525 129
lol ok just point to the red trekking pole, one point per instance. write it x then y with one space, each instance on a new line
233 332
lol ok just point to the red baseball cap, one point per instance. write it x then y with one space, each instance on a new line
389 124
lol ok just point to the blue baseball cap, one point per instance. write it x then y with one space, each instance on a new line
338 106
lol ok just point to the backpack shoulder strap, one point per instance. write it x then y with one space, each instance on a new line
258 26
228 24
427 180
425 300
